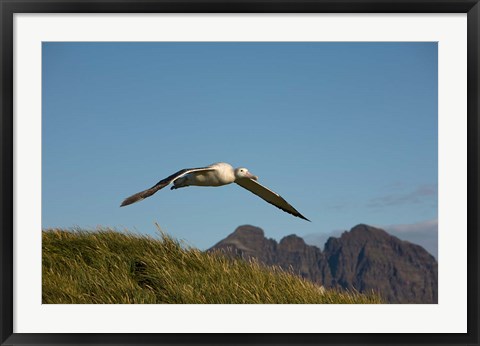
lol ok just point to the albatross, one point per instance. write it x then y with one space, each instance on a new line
217 174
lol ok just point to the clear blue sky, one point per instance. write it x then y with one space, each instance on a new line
345 132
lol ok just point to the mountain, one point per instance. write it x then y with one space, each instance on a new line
365 259
423 233
291 252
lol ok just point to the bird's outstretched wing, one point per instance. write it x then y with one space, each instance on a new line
269 196
161 184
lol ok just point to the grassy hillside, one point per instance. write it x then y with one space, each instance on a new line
110 267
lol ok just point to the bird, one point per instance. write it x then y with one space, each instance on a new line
216 174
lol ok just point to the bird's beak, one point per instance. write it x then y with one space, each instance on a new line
251 176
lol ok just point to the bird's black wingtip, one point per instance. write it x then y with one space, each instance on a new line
132 199
303 217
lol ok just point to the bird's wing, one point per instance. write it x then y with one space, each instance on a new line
269 196
161 184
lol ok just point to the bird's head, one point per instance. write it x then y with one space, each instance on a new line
244 173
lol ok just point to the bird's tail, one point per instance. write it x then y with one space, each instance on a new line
143 194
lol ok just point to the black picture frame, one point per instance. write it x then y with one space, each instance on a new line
10 7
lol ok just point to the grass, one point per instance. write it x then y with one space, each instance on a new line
109 267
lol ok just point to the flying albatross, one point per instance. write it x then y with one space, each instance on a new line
217 174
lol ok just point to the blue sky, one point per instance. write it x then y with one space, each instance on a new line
345 132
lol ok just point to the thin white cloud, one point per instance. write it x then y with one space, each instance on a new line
420 194
423 226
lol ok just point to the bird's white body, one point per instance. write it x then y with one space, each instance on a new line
217 174
221 173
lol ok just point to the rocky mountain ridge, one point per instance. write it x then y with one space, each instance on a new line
365 258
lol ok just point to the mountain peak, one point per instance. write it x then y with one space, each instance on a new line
248 230
368 230
292 240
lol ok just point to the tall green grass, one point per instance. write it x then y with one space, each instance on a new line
109 267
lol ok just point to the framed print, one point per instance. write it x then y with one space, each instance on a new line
239 172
